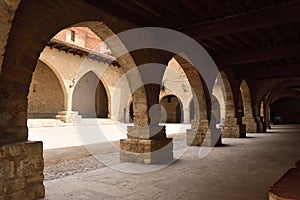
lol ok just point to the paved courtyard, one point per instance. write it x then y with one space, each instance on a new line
240 169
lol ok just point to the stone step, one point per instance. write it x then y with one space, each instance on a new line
38 123
95 121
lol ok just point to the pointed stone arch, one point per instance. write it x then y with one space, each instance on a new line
173 109
231 127
46 93
248 119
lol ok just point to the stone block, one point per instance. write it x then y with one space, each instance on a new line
194 137
29 167
234 131
3 152
213 138
33 148
146 132
146 151
16 150
251 126
4 169
261 127
21 171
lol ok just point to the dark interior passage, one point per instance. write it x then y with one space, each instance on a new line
286 111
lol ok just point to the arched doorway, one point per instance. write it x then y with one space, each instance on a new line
46 96
173 109
247 111
90 97
101 101
233 127
285 110
216 110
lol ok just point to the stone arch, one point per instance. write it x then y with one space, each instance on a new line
60 79
46 93
201 102
229 99
192 109
102 80
248 118
231 126
84 95
60 14
173 109
195 80
218 93
216 109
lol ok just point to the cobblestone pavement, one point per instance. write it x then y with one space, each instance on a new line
72 167
69 168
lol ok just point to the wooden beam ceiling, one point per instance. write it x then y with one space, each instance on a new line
258 55
244 22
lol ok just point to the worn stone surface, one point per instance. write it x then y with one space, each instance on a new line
146 132
234 131
21 171
146 151
251 126
287 187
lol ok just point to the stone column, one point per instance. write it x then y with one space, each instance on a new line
204 134
68 116
261 125
186 116
232 129
197 133
21 161
21 167
249 121
148 144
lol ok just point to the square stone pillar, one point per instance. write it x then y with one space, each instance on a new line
201 135
261 125
232 129
148 145
195 136
251 126
21 170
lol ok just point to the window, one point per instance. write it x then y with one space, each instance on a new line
73 36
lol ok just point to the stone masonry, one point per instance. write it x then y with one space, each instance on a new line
21 171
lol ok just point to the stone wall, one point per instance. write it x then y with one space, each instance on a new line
45 98
21 171
7 14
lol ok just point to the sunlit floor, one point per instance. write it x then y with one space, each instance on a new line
88 131
241 169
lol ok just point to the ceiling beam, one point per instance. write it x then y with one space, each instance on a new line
258 55
265 17
290 70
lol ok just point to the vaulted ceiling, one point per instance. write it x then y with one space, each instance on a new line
255 38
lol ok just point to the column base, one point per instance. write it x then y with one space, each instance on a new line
68 116
261 127
234 131
150 151
21 171
251 126
212 137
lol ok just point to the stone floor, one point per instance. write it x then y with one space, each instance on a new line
241 169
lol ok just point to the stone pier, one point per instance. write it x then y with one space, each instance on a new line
251 125
21 170
261 126
232 129
146 144
201 135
